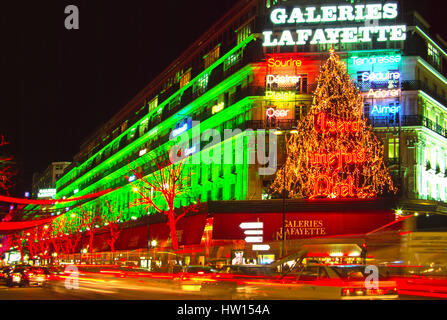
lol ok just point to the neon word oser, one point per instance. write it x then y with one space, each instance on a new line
271 112
342 13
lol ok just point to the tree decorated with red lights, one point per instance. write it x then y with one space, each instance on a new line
335 153
7 171
90 223
111 222
160 191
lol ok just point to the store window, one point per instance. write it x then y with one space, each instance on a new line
393 148
269 3
212 56
433 55
185 79
243 33
232 60
153 104
201 85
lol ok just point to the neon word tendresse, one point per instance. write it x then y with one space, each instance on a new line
376 60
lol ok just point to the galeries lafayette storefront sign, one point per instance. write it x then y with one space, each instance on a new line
303 25
301 225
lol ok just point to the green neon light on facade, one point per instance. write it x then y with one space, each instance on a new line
432 70
162 105
431 41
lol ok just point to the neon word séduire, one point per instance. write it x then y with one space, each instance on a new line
380 76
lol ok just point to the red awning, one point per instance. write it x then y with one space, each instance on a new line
189 228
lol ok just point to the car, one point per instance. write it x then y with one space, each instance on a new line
191 278
4 275
333 282
24 276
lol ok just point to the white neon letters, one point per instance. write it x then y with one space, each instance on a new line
318 15
356 13
380 76
282 80
376 60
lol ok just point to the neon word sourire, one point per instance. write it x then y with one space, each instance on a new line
272 63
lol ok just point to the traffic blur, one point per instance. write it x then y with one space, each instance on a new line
286 279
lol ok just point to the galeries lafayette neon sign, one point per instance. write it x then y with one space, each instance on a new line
343 13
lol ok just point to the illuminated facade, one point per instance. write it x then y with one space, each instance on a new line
257 69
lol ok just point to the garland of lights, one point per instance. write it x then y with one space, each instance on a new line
336 154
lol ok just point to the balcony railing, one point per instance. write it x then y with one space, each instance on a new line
408 121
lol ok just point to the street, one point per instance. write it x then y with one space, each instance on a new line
37 293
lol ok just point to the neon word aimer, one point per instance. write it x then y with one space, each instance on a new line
385 110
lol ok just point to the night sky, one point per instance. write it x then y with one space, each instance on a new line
60 85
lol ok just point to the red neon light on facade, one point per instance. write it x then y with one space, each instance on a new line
323 125
338 158
325 186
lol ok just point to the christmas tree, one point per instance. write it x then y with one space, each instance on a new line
335 153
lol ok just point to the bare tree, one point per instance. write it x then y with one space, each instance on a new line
167 184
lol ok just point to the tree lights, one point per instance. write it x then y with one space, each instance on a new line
336 154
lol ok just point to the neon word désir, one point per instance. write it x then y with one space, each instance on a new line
284 80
